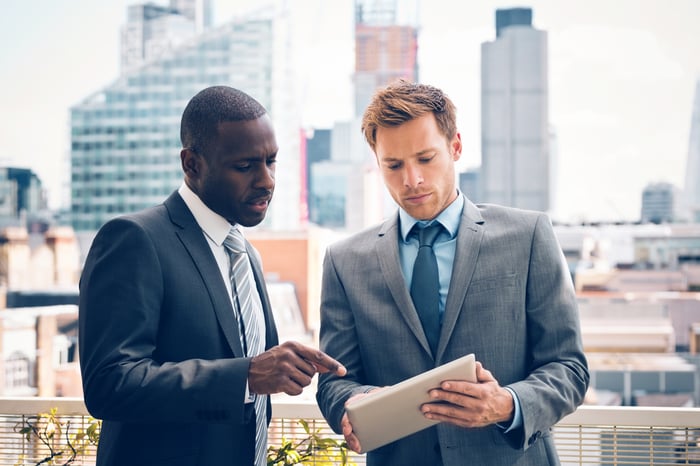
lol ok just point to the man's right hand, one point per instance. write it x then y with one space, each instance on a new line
350 437
289 368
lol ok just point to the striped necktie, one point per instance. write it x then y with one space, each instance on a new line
250 319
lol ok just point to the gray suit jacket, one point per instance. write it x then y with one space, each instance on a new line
160 353
511 303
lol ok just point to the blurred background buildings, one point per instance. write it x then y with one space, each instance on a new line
638 283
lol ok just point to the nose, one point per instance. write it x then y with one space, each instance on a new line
412 176
266 177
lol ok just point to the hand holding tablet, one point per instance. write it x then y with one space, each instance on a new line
394 412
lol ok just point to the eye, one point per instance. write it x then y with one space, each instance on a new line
271 161
242 167
393 165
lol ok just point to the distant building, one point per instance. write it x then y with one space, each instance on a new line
692 170
515 139
327 199
663 203
30 261
346 191
318 149
125 140
152 30
470 184
512 17
22 199
386 47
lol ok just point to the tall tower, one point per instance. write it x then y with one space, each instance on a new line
199 11
692 170
386 47
152 30
516 166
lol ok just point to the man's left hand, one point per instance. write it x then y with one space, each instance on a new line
469 404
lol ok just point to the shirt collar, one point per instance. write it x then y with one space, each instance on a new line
212 224
449 218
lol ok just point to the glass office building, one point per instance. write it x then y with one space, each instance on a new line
125 140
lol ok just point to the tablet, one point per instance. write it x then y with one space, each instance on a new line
394 412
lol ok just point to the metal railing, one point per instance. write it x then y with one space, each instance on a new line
593 435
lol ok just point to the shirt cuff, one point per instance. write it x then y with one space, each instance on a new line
249 397
517 421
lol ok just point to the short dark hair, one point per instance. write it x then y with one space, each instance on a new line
211 106
402 101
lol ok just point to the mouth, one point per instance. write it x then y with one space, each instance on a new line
417 198
260 204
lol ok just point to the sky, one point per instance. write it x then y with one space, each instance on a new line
622 76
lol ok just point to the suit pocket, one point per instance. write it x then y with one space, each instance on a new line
493 284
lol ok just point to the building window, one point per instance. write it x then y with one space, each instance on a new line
17 371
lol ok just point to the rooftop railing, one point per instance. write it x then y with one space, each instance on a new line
593 435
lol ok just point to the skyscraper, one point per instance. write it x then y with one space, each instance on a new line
386 47
152 29
125 138
692 170
515 133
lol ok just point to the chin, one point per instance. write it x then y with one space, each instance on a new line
252 220
420 214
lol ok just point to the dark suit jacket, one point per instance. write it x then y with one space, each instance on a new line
160 353
510 302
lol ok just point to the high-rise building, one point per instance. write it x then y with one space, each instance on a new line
692 170
199 11
512 17
386 47
349 193
150 31
515 133
125 138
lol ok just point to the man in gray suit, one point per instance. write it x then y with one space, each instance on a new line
503 292
166 351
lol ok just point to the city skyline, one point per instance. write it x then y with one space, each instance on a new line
622 79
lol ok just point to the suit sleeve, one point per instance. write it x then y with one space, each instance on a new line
558 373
337 338
126 374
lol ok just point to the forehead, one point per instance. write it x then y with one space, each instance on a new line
409 138
256 136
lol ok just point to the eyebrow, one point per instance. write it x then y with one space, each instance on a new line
417 154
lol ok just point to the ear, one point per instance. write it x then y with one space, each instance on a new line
190 163
456 147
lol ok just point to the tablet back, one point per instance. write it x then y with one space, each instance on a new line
394 412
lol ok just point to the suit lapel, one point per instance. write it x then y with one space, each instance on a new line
193 240
471 231
387 249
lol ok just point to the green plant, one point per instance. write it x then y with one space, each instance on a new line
311 450
56 438
62 443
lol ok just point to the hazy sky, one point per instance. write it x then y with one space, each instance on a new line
622 80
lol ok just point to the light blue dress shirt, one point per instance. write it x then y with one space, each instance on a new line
445 246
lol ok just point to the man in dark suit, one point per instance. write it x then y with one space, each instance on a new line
502 291
165 349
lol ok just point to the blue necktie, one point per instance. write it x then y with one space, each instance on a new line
425 284
249 310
